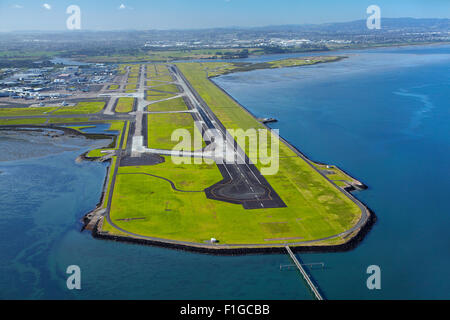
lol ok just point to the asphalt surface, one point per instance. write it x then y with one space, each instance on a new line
242 183
238 185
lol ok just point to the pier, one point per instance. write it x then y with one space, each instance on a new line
311 285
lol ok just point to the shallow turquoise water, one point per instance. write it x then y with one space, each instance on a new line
381 115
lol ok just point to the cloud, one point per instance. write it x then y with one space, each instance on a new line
17 6
122 6
47 6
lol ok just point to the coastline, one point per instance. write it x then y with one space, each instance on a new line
191 59
352 243
252 66
93 218
370 215
352 237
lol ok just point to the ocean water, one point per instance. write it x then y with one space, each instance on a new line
382 115
43 198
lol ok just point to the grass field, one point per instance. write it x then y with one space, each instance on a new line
119 127
155 95
181 174
166 87
160 78
160 128
134 68
8 122
108 188
85 107
113 87
121 69
97 153
164 55
125 140
315 208
336 175
166 213
124 105
215 69
13 112
131 86
154 83
168 105
229 113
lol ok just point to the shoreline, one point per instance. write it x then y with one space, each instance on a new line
351 244
367 215
253 66
351 237
194 59
86 220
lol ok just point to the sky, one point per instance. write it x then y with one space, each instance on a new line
196 14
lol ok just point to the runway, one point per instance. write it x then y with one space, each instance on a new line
242 183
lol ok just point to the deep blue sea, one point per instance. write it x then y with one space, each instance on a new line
382 115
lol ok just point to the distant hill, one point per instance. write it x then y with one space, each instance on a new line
359 26
309 37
